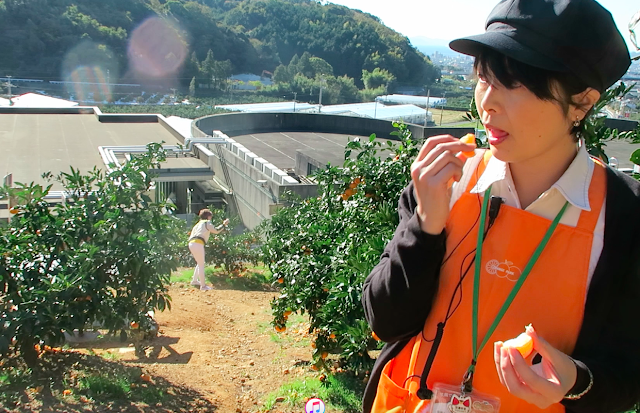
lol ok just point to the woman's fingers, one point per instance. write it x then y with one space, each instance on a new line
497 350
542 384
431 143
547 385
438 171
516 383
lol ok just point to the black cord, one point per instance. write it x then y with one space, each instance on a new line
472 226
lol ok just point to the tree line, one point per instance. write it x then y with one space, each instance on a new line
41 39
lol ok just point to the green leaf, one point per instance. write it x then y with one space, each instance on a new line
635 157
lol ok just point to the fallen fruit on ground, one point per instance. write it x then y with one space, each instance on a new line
145 377
523 343
469 138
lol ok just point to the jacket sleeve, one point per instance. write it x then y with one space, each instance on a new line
615 361
609 343
398 294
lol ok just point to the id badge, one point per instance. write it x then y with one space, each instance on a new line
449 399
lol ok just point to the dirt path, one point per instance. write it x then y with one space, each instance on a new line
221 344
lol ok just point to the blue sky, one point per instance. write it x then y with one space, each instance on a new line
449 19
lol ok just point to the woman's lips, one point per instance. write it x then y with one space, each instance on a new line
495 135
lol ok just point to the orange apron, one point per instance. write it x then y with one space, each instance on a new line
552 298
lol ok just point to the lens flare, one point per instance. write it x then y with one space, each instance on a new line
89 71
157 48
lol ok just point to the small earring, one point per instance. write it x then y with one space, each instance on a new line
576 123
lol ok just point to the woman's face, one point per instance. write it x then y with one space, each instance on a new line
520 127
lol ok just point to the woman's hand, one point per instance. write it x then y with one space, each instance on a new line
542 384
431 172
225 222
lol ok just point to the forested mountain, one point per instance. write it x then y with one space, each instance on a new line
46 38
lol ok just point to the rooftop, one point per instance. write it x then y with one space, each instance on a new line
32 144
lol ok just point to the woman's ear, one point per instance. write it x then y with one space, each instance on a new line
583 102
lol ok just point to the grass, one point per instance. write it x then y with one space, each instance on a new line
340 392
73 382
448 116
255 278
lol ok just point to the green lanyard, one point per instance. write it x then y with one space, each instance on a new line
468 380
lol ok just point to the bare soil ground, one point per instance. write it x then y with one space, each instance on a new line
221 343
216 351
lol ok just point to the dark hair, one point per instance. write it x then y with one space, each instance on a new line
544 84
205 213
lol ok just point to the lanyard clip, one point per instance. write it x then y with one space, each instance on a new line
467 379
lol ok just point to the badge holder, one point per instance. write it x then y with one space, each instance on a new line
450 399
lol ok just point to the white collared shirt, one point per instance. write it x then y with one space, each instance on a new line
573 186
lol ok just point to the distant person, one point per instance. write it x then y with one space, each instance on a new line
533 232
197 240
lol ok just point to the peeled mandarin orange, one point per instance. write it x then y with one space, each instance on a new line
469 138
523 343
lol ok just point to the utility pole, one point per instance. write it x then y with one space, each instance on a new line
320 99
426 113
444 94
9 85
295 96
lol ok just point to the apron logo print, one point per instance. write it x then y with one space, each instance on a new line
460 404
504 269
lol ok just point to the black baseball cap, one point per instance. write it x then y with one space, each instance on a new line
574 36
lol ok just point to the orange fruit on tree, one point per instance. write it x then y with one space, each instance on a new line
66 392
280 280
332 336
280 329
469 138
287 313
14 210
523 343
375 336
324 355
134 325
313 345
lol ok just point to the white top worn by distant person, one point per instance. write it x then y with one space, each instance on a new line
203 229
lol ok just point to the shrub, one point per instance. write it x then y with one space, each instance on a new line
320 250
104 255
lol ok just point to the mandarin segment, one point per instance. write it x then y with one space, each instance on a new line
523 343
470 139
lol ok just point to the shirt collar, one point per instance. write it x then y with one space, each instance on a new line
573 184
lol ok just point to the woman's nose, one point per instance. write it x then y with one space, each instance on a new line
489 98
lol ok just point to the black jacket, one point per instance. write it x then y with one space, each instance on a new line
399 292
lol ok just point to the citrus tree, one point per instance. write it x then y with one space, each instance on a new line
232 250
320 250
102 256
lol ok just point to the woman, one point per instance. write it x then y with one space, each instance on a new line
533 231
197 240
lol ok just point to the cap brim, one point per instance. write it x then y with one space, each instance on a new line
507 45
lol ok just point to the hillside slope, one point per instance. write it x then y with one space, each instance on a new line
48 39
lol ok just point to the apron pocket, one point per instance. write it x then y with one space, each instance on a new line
390 398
